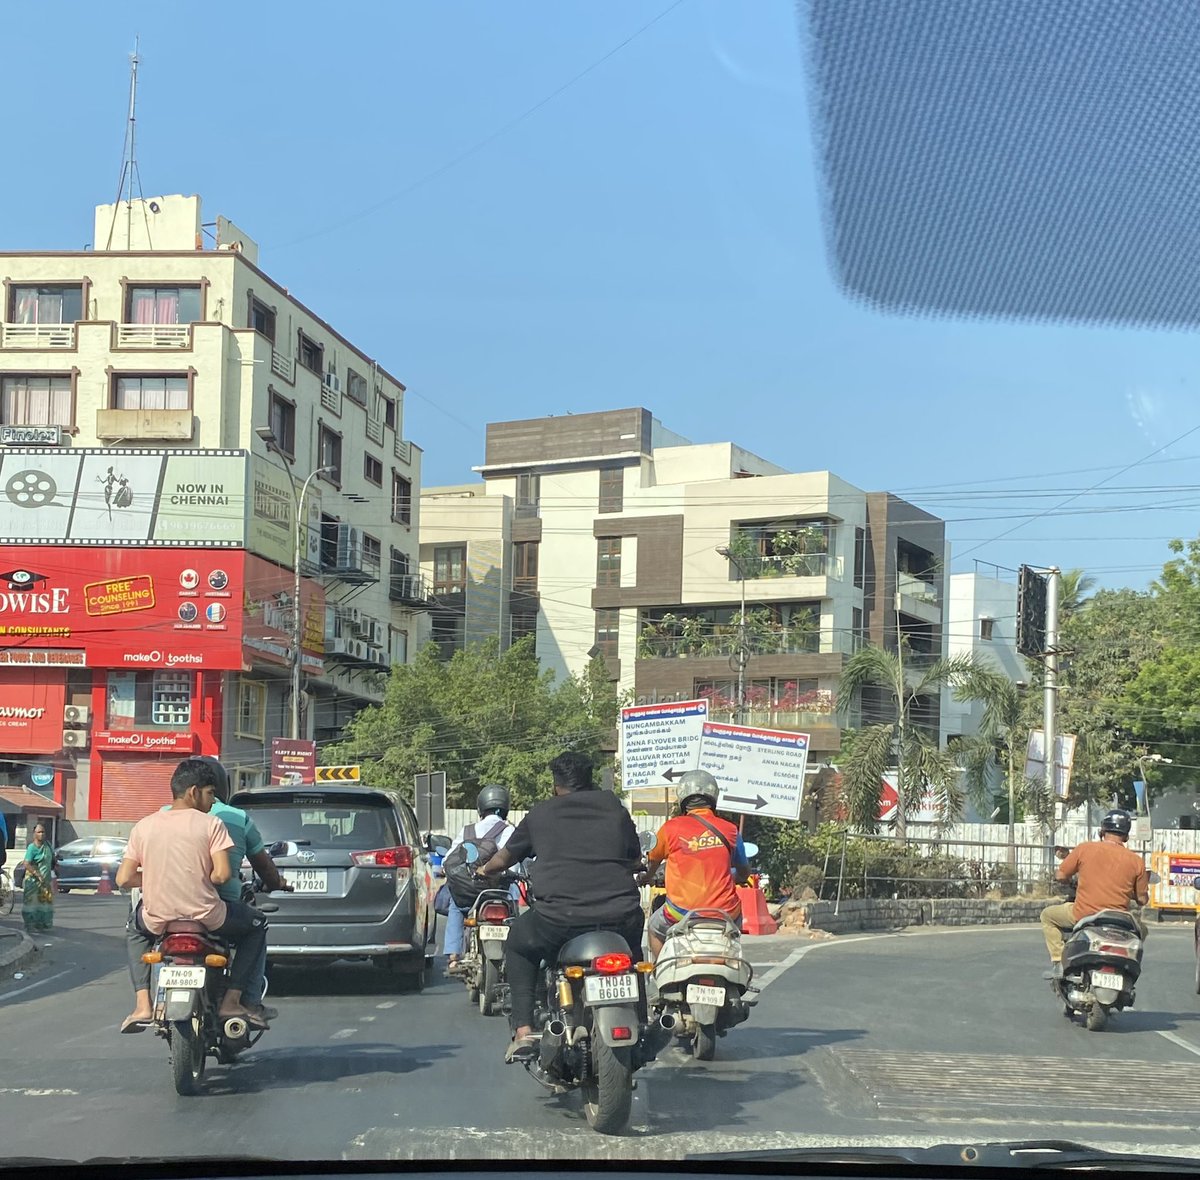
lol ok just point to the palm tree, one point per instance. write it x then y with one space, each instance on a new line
1073 588
902 741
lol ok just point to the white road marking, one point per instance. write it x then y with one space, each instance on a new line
342 1034
31 1093
366 1019
1175 1039
22 990
389 1004
799 953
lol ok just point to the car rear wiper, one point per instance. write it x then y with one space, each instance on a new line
1052 1154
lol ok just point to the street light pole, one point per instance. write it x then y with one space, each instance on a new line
297 614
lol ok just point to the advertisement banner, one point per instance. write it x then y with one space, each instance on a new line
31 712
85 496
123 607
270 527
268 620
293 761
151 740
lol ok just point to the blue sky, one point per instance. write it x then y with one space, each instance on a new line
649 236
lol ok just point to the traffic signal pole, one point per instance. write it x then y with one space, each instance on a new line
1050 693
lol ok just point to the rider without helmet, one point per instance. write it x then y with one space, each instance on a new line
493 800
697 788
1117 823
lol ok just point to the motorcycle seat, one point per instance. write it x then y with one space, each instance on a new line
185 926
583 948
1119 918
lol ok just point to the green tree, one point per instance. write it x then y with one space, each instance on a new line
1073 588
902 742
483 716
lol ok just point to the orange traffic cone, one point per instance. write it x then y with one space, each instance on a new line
756 918
104 889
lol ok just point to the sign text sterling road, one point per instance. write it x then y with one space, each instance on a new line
338 774
660 742
761 771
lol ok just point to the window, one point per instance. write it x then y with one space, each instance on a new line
985 628
401 499
450 569
356 387
329 453
522 624
37 400
372 469
283 422
389 412
608 624
400 563
525 565
860 557
262 318
162 305
448 632
145 392
46 305
252 709
528 494
608 561
857 638
612 489
136 699
311 355
372 552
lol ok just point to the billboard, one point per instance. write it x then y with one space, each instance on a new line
123 608
293 761
270 528
267 615
31 711
94 496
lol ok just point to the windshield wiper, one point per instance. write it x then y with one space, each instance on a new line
1051 1154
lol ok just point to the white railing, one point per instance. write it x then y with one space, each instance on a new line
154 335
331 399
283 366
37 335
403 450
375 430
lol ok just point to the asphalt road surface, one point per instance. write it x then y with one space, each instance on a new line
919 1037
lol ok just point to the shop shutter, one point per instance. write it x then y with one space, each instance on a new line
134 787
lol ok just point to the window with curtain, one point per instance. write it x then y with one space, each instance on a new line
450 569
57 304
36 399
144 392
163 305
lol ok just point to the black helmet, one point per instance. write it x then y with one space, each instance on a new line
1117 822
493 798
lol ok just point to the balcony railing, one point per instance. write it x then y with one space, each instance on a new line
717 642
154 335
774 717
402 449
913 587
283 366
37 335
410 590
792 565
375 430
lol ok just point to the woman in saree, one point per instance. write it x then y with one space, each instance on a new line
37 907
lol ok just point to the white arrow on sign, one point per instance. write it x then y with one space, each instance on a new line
659 743
760 771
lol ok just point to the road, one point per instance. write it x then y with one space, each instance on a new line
918 1037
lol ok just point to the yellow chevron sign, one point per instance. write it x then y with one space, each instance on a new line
338 774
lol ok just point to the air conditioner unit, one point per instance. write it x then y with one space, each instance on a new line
336 646
378 656
75 739
332 382
378 633
353 615
77 714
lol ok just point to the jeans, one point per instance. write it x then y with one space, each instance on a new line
244 928
533 940
1059 920
452 944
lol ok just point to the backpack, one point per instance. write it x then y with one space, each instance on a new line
459 865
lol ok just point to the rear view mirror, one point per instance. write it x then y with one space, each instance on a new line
283 848
647 840
751 849
1196 883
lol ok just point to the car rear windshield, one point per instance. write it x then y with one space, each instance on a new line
356 826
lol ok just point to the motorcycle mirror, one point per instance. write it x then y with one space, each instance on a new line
646 841
1196 883
751 849
283 848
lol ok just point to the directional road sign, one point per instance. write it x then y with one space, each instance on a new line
760 771
658 743
338 774
429 795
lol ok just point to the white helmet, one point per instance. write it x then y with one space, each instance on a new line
697 784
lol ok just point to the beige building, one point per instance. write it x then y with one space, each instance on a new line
160 392
600 533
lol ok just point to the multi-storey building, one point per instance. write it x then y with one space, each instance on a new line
607 534
165 408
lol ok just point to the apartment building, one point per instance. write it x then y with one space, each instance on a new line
166 407
602 534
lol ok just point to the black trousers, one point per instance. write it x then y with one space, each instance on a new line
532 940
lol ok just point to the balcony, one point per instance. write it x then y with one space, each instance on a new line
375 430
283 366
37 336
154 336
410 590
918 598
695 639
402 449
141 425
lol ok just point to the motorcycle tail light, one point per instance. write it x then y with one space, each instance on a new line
621 1034
1110 948
707 982
612 964
385 858
183 944
495 911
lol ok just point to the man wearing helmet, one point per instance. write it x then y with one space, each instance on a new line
1110 876
492 803
705 858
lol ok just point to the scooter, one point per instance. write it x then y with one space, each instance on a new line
482 966
1101 962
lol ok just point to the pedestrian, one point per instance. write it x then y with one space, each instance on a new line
37 903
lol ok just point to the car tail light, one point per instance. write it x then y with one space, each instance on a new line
184 944
621 1034
495 911
385 858
611 964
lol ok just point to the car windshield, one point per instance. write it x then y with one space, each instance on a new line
455 445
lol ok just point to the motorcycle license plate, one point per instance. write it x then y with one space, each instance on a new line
1108 979
170 976
307 880
610 989
698 993
493 933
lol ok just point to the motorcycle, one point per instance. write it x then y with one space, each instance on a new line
1101 962
703 982
482 965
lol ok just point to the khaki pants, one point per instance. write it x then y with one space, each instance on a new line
1059 920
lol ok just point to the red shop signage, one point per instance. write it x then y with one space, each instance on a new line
31 711
145 740
125 608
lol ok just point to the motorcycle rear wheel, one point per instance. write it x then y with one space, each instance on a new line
187 1056
704 1043
608 1095
488 988
1097 1018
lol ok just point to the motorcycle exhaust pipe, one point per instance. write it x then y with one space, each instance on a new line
668 1021
235 1028
552 1044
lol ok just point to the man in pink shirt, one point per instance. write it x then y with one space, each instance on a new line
178 857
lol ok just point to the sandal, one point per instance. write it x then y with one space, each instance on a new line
136 1024
522 1049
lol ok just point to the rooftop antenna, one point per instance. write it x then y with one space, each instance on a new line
130 173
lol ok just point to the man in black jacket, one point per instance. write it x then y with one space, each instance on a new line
587 852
